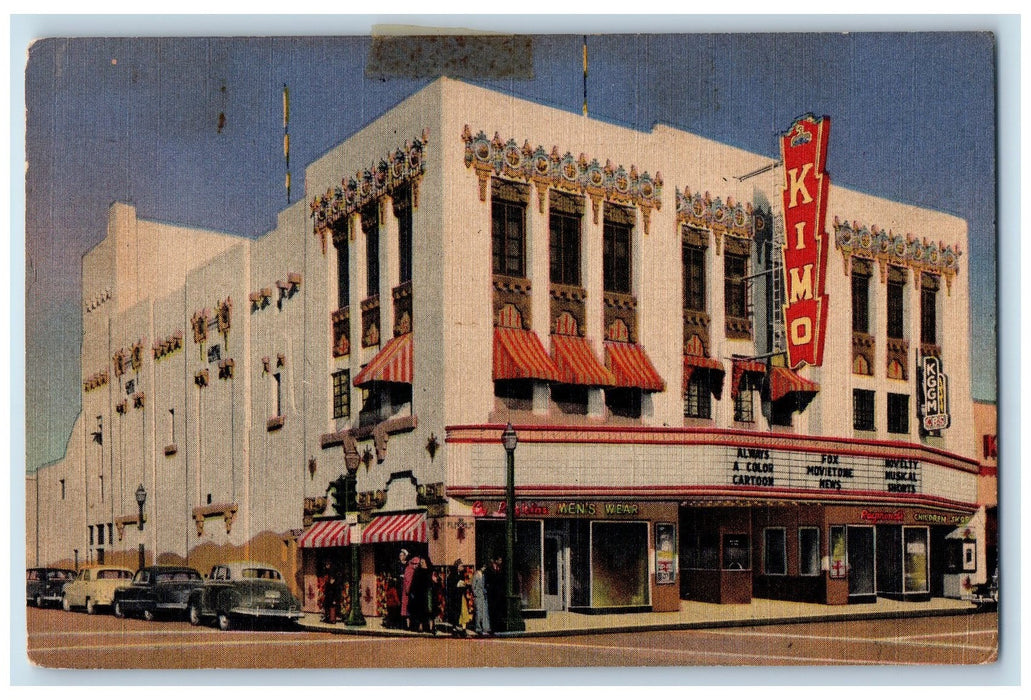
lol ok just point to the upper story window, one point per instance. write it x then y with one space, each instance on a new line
860 301
698 396
735 290
929 285
862 409
403 212
508 227
896 304
616 233
342 394
898 413
341 241
370 227
564 217
744 402
694 276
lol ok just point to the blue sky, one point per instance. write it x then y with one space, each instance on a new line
135 120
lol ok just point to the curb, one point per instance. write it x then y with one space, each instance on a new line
659 627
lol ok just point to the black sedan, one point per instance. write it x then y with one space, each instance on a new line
157 590
44 586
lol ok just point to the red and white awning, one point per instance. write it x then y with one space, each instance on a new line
519 354
783 382
741 367
409 527
629 363
327 533
696 362
392 364
576 362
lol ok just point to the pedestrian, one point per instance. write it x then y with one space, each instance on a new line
392 601
495 580
411 566
418 596
482 621
331 597
455 589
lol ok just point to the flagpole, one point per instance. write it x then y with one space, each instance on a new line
585 75
286 138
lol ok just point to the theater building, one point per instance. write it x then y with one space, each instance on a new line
630 301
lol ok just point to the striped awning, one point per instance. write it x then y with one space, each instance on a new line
695 362
327 533
409 527
783 382
392 364
741 367
576 362
519 354
629 363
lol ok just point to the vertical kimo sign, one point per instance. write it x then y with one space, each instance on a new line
806 183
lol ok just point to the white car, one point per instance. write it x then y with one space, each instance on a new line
95 586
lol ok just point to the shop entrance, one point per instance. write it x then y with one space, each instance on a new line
556 569
861 567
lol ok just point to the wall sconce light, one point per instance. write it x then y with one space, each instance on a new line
312 465
367 458
432 445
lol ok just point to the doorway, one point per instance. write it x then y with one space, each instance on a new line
861 566
555 595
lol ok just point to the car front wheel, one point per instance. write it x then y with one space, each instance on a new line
224 623
118 609
39 601
91 607
194 614
148 615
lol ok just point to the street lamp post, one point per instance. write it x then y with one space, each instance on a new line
513 605
141 498
354 617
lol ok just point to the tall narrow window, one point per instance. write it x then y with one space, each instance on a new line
100 534
403 212
898 413
860 302
171 426
928 309
808 551
744 403
370 226
698 397
279 393
342 394
862 409
101 489
616 235
564 216
62 489
694 277
735 300
508 228
896 293
341 241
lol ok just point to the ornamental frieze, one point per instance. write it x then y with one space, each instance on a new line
701 211
546 169
404 165
168 345
95 381
889 248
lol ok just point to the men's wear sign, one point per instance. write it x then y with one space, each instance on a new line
806 184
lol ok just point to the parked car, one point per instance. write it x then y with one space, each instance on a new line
240 591
157 590
44 586
94 586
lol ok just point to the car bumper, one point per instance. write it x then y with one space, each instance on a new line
264 612
171 606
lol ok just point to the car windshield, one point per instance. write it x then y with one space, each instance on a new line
177 576
113 573
261 573
61 575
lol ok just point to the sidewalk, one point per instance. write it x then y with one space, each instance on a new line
692 615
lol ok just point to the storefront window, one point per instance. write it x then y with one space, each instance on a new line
914 560
619 564
490 543
735 552
809 551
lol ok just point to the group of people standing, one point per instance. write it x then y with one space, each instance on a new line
423 598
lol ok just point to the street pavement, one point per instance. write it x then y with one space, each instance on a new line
692 615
